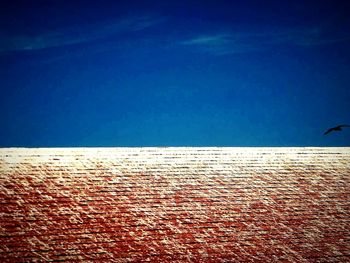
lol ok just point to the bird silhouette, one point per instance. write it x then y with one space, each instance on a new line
336 128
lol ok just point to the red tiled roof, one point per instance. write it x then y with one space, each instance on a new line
175 204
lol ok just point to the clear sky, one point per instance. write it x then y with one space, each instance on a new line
174 73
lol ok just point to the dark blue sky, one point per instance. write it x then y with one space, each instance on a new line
174 73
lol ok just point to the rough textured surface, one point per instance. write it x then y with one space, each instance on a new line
175 204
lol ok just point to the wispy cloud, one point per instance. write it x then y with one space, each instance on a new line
76 34
231 42
220 39
221 44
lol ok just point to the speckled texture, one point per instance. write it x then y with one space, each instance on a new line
175 204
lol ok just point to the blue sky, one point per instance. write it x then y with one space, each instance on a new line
175 73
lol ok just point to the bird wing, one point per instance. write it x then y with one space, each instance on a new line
328 131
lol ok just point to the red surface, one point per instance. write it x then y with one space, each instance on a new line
175 205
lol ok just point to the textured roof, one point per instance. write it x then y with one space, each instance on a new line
175 204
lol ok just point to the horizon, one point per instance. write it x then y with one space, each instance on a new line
172 147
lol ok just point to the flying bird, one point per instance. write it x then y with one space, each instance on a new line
336 128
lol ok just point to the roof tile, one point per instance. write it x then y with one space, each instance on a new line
175 204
